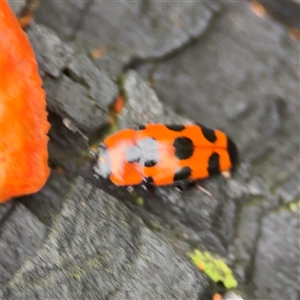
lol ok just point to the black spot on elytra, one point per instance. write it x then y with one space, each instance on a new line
183 173
232 151
208 133
184 147
176 127
214 164
150 163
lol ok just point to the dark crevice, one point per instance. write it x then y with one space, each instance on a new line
71 75
250 269
217 217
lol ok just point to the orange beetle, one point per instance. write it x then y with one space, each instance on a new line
159 154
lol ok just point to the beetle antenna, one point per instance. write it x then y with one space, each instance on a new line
71 126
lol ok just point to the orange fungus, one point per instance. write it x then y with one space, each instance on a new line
119 104
23 117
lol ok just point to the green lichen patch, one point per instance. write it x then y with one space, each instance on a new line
140 201
216 269
294 206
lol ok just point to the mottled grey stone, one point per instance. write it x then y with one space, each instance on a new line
142 104
47 203
127 31
256 150
289 190
286 12
147 29
231 295
225 80
71 99
244 244
20 237
277 261
99 250
51 53
76 88
5 208
63 19
102 90
17 6
272 116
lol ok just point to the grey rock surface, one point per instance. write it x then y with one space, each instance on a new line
214 63
277 255
143 105
72 80
20 236
51 53
17 6
5 208
47 203
127 30
100 249
242 62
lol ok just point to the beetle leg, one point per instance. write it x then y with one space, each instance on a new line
130 189
205 191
